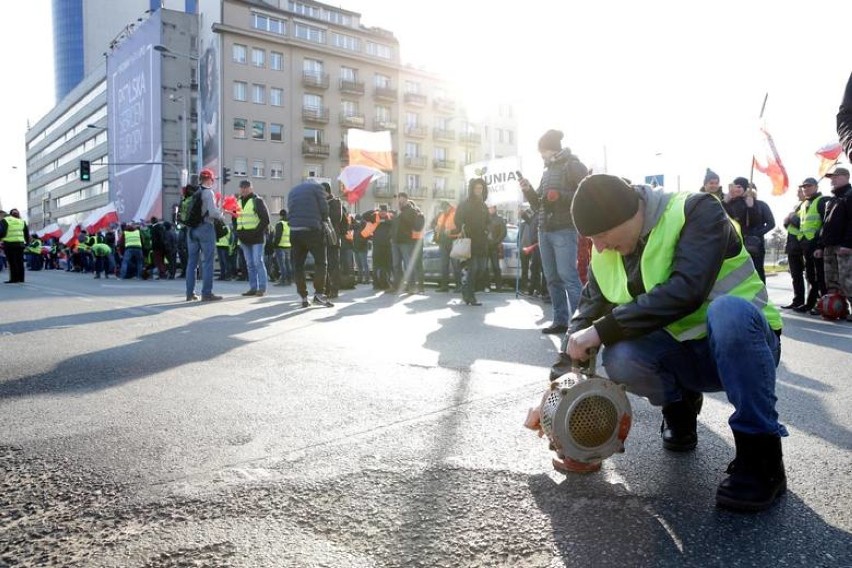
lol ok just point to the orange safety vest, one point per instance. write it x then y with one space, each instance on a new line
447 222
369 229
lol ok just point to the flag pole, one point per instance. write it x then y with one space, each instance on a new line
762 108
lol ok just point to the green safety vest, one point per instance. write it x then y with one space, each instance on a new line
34 246
248 219
14 230
736 277
225 241
101 249
284 242
132 239
793 230
811 221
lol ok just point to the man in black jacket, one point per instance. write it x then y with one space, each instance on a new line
836 237
675 300
340 221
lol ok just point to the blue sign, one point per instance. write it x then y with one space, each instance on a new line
655 181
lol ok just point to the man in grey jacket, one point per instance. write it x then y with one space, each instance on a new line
675 299
201 240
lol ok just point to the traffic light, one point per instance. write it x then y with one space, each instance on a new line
226 175
85 170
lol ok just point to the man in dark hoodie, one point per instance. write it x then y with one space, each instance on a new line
557 235
675 299
252 223
836 236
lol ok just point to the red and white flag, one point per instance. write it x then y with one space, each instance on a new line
372 149
69 237
51 231
768 162
100 218
356 179
828 156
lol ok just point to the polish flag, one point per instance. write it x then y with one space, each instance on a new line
51 231
356 180
69 237
372 149
767 161
101 218
828 156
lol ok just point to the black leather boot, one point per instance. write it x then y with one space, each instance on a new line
756 477
680 422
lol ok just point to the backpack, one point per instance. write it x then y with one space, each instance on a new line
194 217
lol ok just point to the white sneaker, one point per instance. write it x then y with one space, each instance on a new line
321 300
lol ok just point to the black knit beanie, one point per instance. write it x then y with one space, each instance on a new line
550 140
602 202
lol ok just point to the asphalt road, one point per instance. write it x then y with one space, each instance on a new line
139 430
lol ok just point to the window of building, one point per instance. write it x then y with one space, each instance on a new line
312 171
440 183
304 9
313 67
258 169
344 41
258 57
412 182
379 50
240 125
276 61
348 74
412 149
412 87
240 90
499 135
258 94
312 102
382 81
510 136
276 170
276 96
258 130
309 33
266 23
312 135
240 166
276 132
239 53
383 113
412 119
440 154
349 108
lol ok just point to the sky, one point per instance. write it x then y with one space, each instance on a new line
641 88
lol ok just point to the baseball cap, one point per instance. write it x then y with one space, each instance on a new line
809 181
206 173
838 171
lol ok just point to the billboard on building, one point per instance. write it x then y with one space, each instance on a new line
135 138
210 117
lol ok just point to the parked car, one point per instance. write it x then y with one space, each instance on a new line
509 265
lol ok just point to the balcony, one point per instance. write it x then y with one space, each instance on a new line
470 138
415 99
384 124
352 87
385 93
315 80
315 114
416 162
352 120
444 105
417 192
444 164
444 134
315 150
383 191
444 193
416 131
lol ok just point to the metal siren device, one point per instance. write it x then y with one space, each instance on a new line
585 417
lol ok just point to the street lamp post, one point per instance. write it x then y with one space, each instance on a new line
184 173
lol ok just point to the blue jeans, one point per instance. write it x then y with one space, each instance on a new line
363 264
255 266
282 255
224 262
559 264
738 356
200 241
133 255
